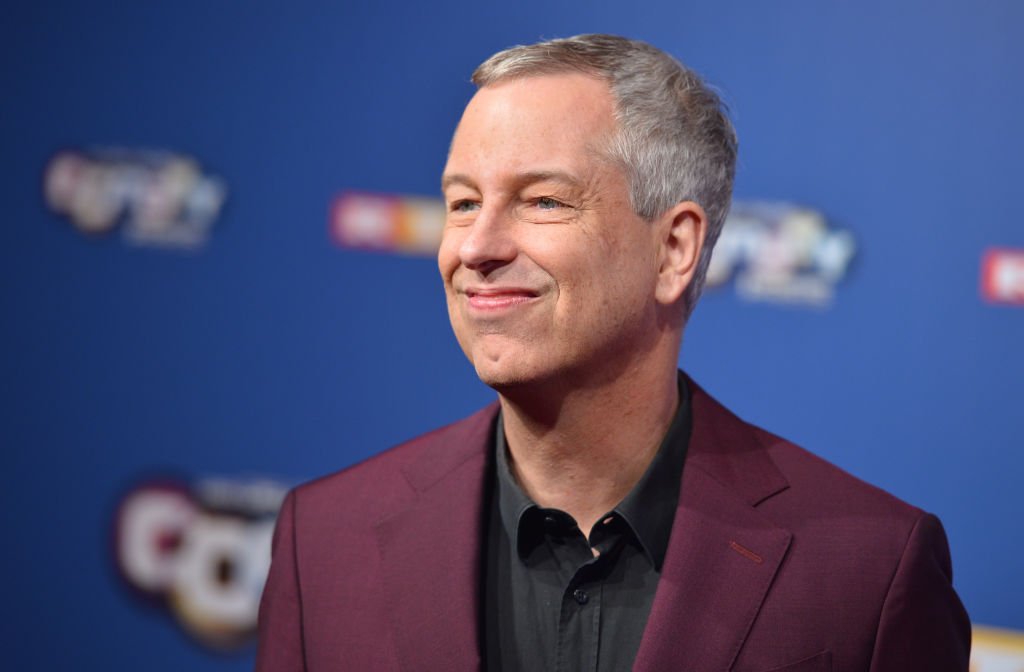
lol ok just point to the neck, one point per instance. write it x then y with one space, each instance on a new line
584 449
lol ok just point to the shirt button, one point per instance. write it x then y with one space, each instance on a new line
550 521
580 596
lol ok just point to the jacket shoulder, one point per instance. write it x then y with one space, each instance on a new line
867 575
399 470
815 481
778 475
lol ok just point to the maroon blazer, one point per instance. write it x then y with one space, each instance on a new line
778 561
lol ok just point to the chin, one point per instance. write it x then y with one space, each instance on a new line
506 372
501 377
499 361
519 374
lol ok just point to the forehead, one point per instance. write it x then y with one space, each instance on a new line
545 121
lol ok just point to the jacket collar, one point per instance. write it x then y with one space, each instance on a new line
722 557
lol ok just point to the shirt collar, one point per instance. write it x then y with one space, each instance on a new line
512 501
649 508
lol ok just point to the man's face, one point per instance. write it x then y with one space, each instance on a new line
549 275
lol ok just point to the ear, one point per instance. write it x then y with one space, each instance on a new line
681 230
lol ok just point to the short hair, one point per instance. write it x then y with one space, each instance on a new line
675 141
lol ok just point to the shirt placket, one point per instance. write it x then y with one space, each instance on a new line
579 622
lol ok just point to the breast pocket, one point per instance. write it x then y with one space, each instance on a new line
819 663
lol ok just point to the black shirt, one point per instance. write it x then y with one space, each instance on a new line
550 604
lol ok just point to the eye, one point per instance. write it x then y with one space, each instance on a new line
463 205
547 203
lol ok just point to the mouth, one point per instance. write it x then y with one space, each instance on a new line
495 298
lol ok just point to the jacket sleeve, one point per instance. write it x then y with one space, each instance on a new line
280 618
923 626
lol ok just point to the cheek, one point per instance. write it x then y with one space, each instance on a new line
448 255
620 282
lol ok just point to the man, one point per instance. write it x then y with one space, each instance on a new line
606 514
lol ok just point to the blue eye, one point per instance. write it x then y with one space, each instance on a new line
464 206
548 203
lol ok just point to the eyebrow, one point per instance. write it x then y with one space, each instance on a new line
456 178
521 179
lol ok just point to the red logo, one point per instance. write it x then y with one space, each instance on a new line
403 224
1002 276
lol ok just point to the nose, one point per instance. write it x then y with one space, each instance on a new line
489 243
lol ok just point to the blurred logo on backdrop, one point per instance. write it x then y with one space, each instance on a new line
771 251
1002 276
996 650
388 223
201 550
782 253
154 198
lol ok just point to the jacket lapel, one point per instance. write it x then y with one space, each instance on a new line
431 550
723 553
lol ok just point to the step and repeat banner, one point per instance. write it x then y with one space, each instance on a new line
219 224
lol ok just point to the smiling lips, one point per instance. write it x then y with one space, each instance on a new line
494 299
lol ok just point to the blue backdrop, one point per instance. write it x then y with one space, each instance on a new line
270 351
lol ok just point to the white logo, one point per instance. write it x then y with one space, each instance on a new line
780 252
204 551
158 198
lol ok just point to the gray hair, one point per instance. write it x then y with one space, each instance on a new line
675 141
